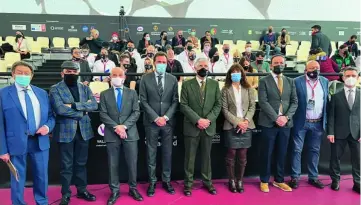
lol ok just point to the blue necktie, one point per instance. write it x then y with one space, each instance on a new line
30 114
119 99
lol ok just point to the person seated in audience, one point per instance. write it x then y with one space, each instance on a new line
173 66
283 40
236 56
111 55
207 37
247 67
226 57
206 49
93 41
132 60
216 64
116 44
277 51
183 57
358 62
248 52
21 45
178 42
326 64
269 42
162 43
352 46
193 38
343 58
83 65
261 65
144 43
133 52
129 67
150 52
103 65
85 56
188 66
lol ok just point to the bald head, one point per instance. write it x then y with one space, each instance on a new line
312 65
117 72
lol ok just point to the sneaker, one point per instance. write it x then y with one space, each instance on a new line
264 187
283 186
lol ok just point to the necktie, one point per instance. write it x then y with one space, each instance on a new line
203 86
350 99
160 85
30 114
119 99
280 88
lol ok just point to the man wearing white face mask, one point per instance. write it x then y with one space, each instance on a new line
343 127
247 54
159 100
119 111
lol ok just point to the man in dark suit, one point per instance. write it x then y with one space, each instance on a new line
119 111
83 65
26 119
71 102
309 122
277 99
320 40
201 105
343 127
159 100
207 37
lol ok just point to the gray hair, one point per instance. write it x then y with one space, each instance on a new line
199 60
21 63
313 61
350 69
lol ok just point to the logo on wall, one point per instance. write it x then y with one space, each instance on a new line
140 28
85 28
155 28
216 139
258 32
358 33
230 32
170 28
341 33
249 32
56 28
292 33
19 27
213 31
175 141
72 29
38 27
302 33
101 130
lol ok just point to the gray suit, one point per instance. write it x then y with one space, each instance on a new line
270 98
111 117
156 105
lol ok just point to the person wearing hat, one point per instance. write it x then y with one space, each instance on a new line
26 119
71 102
216 65
115 43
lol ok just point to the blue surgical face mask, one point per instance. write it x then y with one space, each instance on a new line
23 80
236 77
161 68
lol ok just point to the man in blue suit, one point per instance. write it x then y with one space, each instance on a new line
26 119
71 101
309 122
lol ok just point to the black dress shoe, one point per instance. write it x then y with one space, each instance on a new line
86 196
240 187
211 189
356 188
316 183
113 198
335 185
65 200
187 191
168 187
151 190
135 194
232 186
293 183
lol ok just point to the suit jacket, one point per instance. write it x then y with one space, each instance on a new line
84 68
341 120
269 100
193 110
68 119
155 105
13 124
111 117
299 118
141 46
229 107
320 40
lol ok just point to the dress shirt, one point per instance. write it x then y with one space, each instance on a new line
100 68
347 91
199 81
317 112
34 102
156 78
238 98
227 59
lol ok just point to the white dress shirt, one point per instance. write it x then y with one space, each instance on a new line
91 61
183 57
101 66
317 111
347 92
188 67
22 45
199 81
218 67
227 59
238 98
34 102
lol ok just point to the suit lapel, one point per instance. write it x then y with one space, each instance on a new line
196 90
208 89
43 112
343 98
244 95
166 83
81 93
231 93
111 99
14 95
65 92
357 99
304 88
154 82
124 97
272 81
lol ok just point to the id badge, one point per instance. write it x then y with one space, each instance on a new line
310 104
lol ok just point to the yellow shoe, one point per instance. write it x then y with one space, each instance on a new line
282 186
264 187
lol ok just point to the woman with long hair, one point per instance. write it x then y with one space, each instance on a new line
246 65
238 107
21 45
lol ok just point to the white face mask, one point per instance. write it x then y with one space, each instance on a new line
117 82
115 38
350 81
248 49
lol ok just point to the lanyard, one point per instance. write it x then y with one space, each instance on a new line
171 64
179 41
213 66
192 66
312 88
105 65
19 43
227 57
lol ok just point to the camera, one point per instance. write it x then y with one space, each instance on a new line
122 12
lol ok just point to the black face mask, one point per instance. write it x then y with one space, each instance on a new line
269 30
189 48
259 61
76 59
215 58
71 79
278 69
236 60
345 53
192 57
165 38
150 55
130 49
148 67
180 36
103 56
353 41
18 36
226 50
283 34
246 67
202 72
313 75
126 66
